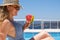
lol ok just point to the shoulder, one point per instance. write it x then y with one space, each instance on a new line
6 21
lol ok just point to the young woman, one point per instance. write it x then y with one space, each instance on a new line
10 28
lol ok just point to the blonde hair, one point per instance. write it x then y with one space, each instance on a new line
3 13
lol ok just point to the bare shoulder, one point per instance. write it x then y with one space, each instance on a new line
6 21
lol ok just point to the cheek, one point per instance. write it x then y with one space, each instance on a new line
14 13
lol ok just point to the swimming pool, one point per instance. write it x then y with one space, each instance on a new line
28 35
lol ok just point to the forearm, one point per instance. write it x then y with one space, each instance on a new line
26 25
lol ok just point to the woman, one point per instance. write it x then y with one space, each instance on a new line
10 28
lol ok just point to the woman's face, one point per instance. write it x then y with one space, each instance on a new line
13 10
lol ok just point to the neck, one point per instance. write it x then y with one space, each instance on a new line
10 17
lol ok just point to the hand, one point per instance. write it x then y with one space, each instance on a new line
29 18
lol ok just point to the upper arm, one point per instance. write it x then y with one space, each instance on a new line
6 25
3 28
7 28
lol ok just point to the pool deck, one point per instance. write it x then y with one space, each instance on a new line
39 30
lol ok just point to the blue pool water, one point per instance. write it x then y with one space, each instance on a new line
28 35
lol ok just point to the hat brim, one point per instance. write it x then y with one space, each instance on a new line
11 4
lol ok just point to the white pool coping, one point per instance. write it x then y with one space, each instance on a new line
39 30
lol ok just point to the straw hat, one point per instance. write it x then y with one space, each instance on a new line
10 2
